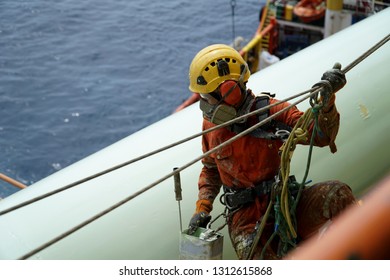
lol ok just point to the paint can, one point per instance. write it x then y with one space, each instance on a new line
204 244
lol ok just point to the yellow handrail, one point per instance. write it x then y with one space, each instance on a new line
256 39
250 51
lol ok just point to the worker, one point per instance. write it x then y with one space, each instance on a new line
247 167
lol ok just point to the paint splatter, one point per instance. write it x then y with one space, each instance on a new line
364 112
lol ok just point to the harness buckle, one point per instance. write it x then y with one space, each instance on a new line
233 199
282 134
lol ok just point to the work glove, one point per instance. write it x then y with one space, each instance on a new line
331 81
200 219
335 77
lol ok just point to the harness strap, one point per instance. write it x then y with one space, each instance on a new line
271 130
237 197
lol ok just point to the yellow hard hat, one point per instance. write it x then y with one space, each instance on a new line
215 64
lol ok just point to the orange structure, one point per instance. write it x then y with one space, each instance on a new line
12 181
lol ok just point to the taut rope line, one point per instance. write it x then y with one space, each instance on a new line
86 179
367 53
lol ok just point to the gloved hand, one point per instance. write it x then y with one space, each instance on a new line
331 81
335 77
200 219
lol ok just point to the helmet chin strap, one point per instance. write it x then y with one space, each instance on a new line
230 93
244 69
245 106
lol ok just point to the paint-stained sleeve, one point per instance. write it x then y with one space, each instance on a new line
289 117
328 122
209 183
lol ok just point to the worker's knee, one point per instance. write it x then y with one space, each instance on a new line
320 203
333 196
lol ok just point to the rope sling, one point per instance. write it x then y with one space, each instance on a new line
281 198
284 215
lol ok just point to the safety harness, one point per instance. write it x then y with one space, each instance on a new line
234 198
272 130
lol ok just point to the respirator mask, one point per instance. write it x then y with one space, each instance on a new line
230 101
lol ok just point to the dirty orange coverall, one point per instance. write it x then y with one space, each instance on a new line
250 160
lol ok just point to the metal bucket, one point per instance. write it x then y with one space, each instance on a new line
204 244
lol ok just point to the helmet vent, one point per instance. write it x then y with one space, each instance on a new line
201 81
223 68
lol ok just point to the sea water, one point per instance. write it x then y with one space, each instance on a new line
77 76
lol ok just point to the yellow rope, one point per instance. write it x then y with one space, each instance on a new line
259 232
299 134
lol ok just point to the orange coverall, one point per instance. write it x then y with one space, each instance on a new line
250 160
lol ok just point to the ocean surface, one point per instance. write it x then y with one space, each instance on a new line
77 76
